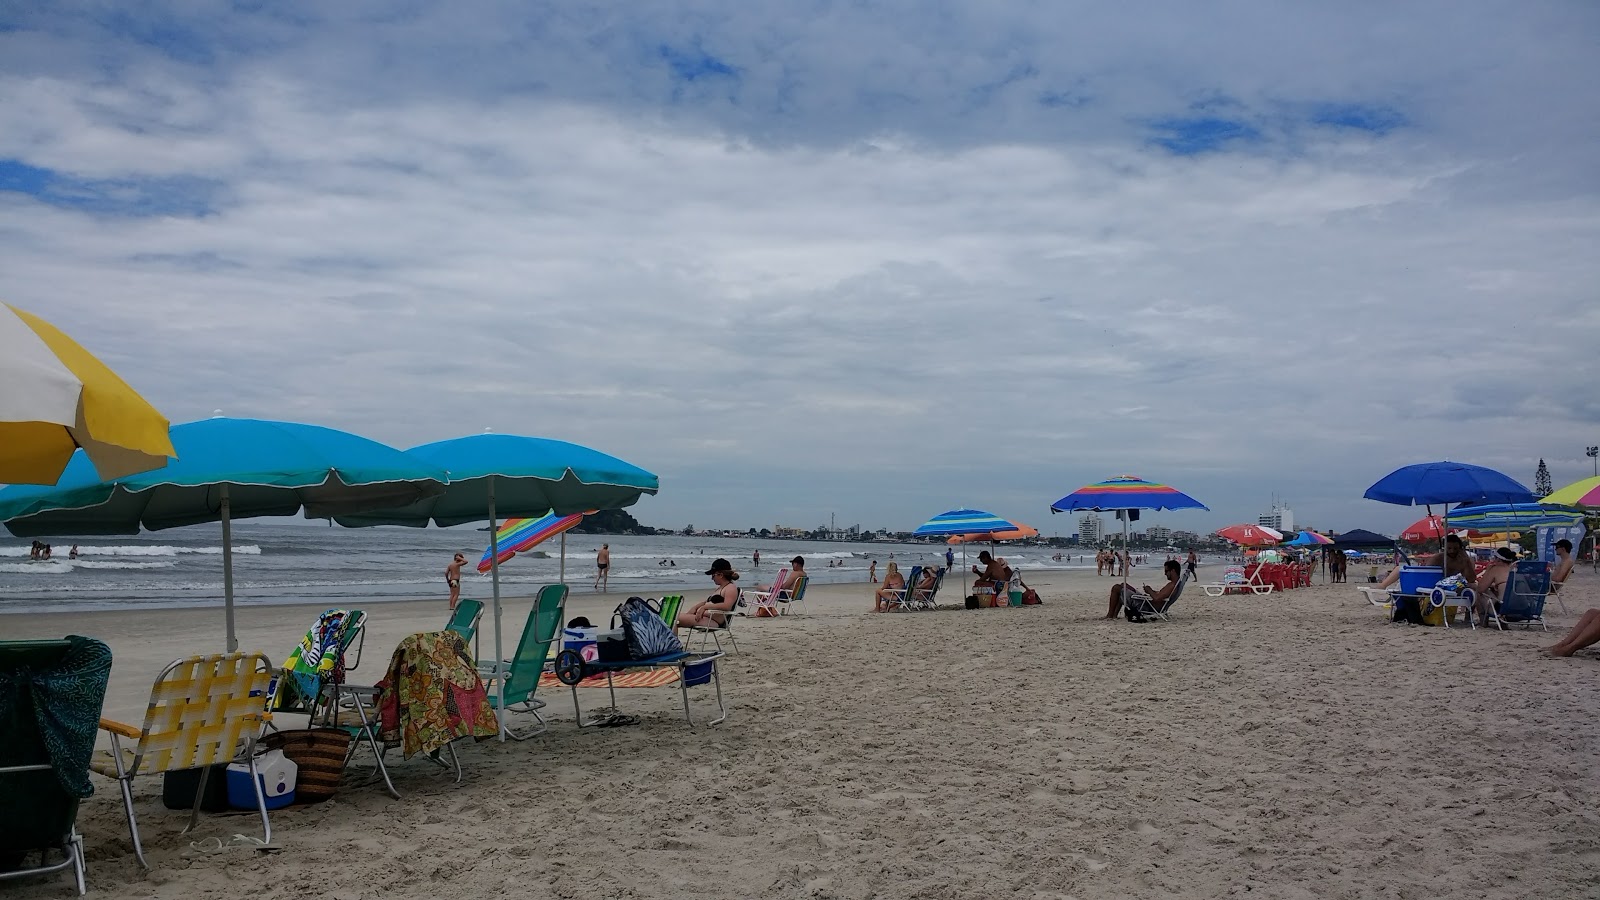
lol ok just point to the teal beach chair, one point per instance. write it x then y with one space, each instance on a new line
520 674
51 695
464 621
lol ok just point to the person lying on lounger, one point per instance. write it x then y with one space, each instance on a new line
893 583
1120 592
723 601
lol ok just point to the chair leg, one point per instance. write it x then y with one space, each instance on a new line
454 759
261 798
731 640
75 848
133 823
199 795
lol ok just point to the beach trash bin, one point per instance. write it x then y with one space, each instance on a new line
277 776
698 673
1419 579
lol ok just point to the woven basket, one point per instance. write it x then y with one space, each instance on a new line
319 753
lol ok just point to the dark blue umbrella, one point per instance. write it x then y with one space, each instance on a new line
1447 482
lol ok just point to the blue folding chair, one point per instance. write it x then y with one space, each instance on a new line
1522 601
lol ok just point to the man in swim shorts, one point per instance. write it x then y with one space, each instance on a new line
602 566
452 577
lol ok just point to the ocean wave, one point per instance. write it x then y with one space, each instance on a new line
134 550
63 566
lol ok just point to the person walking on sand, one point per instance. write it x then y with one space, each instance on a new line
452 577
602 568
949 558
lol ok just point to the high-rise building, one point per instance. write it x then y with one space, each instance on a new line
1158 533
1090 529
1281 517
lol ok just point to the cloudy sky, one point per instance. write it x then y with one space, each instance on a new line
868 259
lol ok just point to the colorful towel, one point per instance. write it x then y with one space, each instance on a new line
639 678
432 695
312 662
62 703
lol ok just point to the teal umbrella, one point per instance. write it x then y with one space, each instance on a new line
494 475
226 469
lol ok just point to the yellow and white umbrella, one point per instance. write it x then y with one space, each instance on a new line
55 396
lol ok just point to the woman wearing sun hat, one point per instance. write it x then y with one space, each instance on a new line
713 611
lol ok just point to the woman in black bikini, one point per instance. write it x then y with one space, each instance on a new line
713 611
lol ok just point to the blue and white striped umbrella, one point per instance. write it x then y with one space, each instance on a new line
965 521
1513 516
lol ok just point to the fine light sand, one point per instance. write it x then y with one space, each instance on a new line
1286 746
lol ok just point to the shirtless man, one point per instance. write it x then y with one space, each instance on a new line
1563 568
1121 591
602 568
452 577
993 574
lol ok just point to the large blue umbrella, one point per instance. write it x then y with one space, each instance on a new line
1124 493
226 468
493 475
1447 482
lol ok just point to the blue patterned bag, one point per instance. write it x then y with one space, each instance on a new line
648 636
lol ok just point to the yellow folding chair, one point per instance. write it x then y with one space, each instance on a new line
202 709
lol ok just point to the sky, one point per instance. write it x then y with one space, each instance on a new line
867 260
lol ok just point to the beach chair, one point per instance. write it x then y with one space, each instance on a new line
318 663
464 621
51 694
202 710
1522 601
431 696
765 599
792 598
670 604
928 599
521 672
906 598
1139 606
1235 581
713 634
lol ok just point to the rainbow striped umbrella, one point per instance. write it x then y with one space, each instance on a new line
965 521
1309 539
518 535
1578 493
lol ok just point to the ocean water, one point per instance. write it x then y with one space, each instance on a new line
276 562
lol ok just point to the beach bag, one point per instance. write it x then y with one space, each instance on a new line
1407 609
648 636
972 601
1030 597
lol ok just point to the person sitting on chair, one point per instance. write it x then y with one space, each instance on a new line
893 583
1491 583
993 575
713 611
1122 592
1455 560
1563 566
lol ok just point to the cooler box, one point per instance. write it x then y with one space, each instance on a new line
1016 598
611 645
1419 579
277 782
581 640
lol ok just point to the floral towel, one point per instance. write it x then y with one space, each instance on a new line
432 695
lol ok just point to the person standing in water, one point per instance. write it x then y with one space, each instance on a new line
755 558
602 568
452 577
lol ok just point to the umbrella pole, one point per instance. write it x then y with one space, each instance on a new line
563 577
499 655
227 568
1127 562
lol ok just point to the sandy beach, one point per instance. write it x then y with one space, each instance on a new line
1285 746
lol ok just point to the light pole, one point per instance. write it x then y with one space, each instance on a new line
1594 454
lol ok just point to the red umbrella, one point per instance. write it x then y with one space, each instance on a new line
1427 528
1250 535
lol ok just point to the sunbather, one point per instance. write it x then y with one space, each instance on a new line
723 601
1491 583
1583 634
1563 567
993 575
1120 592
893 587
1455 561
797 572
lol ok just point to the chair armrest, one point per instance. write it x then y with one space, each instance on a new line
117 728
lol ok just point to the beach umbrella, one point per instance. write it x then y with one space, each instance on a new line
226 469
1427 528
1250 535
1514 516
1019 533
1447 482
520 535
1579 493
964 522
1361 538
1125 493
1309 539
55 396
491 475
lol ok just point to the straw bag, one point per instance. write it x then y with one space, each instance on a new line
319 753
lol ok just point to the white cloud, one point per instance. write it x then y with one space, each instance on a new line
872 274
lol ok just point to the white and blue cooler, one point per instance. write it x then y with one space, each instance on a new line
277 773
